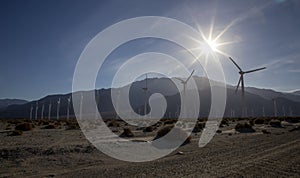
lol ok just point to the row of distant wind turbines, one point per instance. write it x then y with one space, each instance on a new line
145 89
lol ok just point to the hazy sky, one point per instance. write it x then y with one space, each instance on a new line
41 41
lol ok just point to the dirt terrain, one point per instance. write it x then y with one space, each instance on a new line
62 152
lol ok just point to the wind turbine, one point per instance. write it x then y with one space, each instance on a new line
57 111
31 108
184 82
145 96
241 81
68 108
43 107
36 109
49 110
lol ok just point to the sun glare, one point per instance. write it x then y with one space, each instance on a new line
210 44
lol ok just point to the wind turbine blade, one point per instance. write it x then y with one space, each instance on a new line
235 64
249 71
189 76
180 79
238 85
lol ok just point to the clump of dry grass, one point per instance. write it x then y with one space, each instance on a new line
169 121
50 126
16 133
149 129
198 127
244 128
126 133
178 134
259 121
265 131
224 122
275 123
293 119
24 127
113 124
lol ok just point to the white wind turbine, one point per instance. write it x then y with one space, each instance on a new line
68 108
57 110
36 109
49 110
241 81
145 95
43 107
31 108
184 82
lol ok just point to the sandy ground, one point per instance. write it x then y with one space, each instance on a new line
66 153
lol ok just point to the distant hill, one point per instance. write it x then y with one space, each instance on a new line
271 94
7 102
260 102
296 93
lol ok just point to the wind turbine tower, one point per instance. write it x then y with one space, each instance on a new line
49 110
145 95
31 108
57 110
275 108
184 82
43 107
68 108
36 109
241 81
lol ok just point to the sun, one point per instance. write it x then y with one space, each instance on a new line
212 44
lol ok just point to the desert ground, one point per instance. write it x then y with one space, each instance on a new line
263 147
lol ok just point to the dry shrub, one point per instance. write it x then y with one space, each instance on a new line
265 131
16 133
259 121
73 126
24 127
219 131
275 123
127 133
50 126
169 121
293 119
178 134
149 129
297 128
198 127
224 122
113 124
244 128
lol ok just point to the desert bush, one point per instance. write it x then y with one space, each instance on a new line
149 129
243 128
126 133
225 122
293 119
297 128
50 126
275 123
198 127
16 133
74 126
113 124
259 121
252 122
169 121
24 127
265 131
179 133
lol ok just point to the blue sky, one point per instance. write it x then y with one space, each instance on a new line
41 41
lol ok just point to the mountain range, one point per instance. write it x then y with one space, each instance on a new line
260 102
